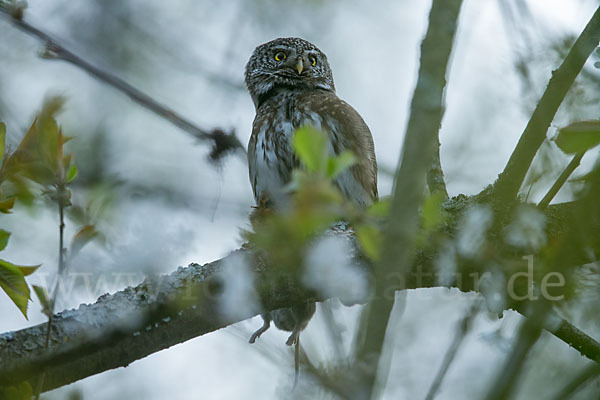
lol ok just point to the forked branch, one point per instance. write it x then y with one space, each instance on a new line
509 181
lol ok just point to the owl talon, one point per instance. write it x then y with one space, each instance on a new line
260 331
293 339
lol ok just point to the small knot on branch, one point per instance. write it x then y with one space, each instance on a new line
51 51
223 143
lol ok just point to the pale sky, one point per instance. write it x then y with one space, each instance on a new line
373 51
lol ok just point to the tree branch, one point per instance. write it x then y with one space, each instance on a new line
131 324
222 142
577 340
574 163
509 181
136 322
435 175
418 154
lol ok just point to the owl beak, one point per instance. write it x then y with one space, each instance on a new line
299 66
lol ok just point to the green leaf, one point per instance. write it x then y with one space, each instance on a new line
311 147
30 159
369 238
6 205
42 296
39 156
432 212
2 139
22 391
71 174
27 270
81 238
4 235
381 208
67 161
579 136
13 283
338 164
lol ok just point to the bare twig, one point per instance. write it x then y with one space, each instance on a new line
509 181
62 190
418 153
461 331
222 142
560 181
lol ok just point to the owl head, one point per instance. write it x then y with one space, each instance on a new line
287 63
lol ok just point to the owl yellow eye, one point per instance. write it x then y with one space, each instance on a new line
313 60
280 56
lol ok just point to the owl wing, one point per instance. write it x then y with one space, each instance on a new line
348 131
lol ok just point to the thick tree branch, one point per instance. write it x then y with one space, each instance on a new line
133 323
222 142
509 181
421 144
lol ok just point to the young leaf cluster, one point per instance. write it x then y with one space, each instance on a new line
38 159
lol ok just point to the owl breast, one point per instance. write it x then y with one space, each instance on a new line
271 158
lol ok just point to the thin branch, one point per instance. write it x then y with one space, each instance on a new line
222 142
461 332
418 153
560 181
577 339
62 194
509 181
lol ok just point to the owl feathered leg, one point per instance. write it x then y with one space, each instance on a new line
293 339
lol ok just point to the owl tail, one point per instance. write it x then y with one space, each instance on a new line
296 361
294 339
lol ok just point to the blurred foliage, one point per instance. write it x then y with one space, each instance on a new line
39 160
12 187
23 391
316 203
312 148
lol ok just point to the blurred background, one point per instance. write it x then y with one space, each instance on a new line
160 203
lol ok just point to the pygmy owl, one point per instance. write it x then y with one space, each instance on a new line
291 85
